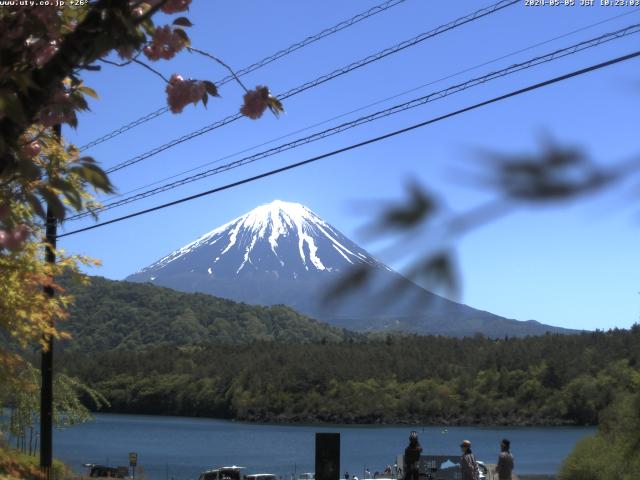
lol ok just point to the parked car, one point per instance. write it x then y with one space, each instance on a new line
222 473
482 470
261 476
103 471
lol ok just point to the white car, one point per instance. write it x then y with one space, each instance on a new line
222 473
482 470
261 476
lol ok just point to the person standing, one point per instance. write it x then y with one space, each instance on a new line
505 461
468 463
412 458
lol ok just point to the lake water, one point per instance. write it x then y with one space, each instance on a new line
181 448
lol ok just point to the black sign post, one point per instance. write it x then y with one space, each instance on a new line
327 456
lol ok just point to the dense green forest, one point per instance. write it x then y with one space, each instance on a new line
129 316
552 379
613 452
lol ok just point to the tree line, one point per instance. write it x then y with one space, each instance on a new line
132 316
551 379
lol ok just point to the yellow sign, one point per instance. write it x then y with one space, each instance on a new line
133 459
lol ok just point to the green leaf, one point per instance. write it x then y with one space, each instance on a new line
11 106
24 81
53 202
211 88
28 170
89 91
36 205
183 35
74 198
73 122
61 184
78 102
93 174
149 27
420 207
275 106
183 22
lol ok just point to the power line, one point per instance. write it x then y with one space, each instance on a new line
514 93
325 78
309 40
255 66
377 102
561 53
125 128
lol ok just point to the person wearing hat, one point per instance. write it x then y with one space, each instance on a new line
468 464
412 458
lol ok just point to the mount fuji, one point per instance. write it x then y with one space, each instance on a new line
283 253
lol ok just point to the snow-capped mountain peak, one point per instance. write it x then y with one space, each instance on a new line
282 253
283 237
278 219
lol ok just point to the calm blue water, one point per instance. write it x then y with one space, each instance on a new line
180 448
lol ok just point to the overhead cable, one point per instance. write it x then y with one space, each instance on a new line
324 78
255 66
561 53
372 104
361 144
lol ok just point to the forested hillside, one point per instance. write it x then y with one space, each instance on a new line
552 379
131 316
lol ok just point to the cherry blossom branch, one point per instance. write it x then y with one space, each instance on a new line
123 64
135 60
201 52
36 137
91 68
149 13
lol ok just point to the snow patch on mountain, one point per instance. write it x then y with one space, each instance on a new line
274 223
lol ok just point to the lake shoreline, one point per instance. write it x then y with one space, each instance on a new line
362 421
186 446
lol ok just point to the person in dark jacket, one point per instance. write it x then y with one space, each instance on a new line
468 463
505 461
412 458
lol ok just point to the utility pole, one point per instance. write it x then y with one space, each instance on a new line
46 389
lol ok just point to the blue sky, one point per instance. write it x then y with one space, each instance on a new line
572 265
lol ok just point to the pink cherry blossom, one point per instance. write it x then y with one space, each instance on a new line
44 52
175 6
181 92
13 240
49 18
60 110
46 14
164 44
31 149
50 117
255 102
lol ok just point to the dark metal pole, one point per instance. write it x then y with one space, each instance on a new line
46 391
